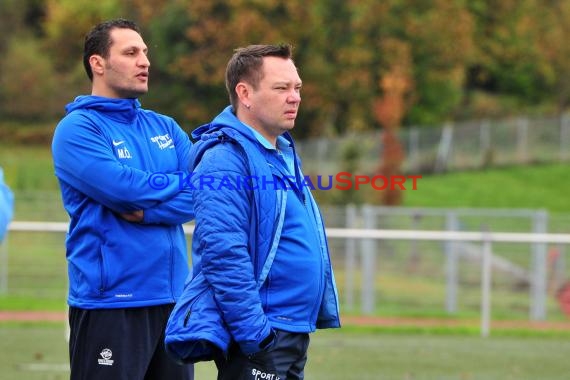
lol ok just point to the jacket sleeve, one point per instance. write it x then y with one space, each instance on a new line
178 209
84 160
223 207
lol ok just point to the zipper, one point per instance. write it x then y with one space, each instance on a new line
103 274
189 312
317 221
321 280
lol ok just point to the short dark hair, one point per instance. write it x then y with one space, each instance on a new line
245 65
98 40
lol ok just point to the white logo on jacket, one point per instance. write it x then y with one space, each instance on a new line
163 141
122 152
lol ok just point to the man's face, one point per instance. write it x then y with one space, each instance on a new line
275 102
125 73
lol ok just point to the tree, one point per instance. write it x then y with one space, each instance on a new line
67 22
511 59
199 37
11 21
389 110
553 33
27 81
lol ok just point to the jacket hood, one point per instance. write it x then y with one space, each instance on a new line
226 119
123 110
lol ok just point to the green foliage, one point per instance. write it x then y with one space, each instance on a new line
27 81
455 50
520 49
68 21
11 19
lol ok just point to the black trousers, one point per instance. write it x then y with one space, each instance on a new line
122 344
284 360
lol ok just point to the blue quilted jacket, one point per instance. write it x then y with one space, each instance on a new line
231 244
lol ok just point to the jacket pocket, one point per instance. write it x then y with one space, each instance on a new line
196 330
104 272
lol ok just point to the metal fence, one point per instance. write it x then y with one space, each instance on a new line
460 146
538 268
389 261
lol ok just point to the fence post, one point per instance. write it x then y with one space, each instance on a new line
414 149
445 145
564 136
522 140
368 263
538 283
451 264
4 265
350 258
485 141
486 281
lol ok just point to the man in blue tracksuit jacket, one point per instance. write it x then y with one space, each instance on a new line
247 186
119 168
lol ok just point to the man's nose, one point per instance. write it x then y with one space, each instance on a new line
144 61
294 96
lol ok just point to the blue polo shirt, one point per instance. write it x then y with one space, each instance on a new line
298 251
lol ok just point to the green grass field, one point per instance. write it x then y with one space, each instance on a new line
34 352
527 187
37 281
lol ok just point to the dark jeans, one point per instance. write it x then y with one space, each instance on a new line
284 360
121 344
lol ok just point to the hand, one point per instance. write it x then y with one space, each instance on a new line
134 216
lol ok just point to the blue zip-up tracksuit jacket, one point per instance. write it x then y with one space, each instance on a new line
234 231
110 157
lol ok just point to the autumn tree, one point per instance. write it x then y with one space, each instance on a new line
455 52
26 77
389 109
552 35
521 53
65 25
198 38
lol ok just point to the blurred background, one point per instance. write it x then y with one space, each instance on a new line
473 96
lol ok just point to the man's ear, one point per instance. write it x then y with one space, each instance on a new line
97 64
243 92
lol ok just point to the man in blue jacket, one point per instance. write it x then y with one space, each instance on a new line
6 206
259 239
119 168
